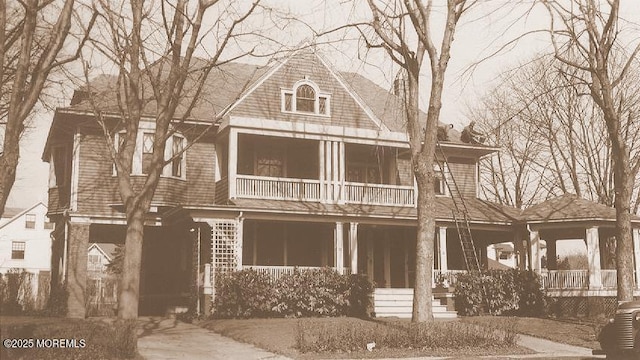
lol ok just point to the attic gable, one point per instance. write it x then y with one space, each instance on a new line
271 98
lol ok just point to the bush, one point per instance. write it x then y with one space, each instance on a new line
318 292
499 292
16 292
346 336
244 294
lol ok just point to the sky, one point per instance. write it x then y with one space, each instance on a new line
480 34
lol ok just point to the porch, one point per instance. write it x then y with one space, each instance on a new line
277 168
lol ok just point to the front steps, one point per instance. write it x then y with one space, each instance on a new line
399 303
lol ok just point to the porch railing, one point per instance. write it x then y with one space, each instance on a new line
565 279
609 279
448 276
379 194
258 187
275 272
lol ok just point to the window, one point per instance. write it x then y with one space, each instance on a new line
48 225
30 221
504 255
17 250
439 185
94 263
147 151
305 98
363 173
270 163
59 168
177 148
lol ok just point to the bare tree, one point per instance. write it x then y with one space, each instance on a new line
153 46
404 30
586 34
552 134
33 36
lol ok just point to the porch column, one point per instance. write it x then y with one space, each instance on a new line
338 257
636 255
593 257
232 166
387 260
353 247
442 248
370 263
342 173
552 263
335 170
76 268
322 165
518 247
534 242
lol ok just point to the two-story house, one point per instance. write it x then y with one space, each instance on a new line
309 167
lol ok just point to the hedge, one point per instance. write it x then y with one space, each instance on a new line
304 293
499 292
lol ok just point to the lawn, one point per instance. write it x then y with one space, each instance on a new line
279 336
578 332
101 339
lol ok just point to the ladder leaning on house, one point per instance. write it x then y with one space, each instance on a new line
460 215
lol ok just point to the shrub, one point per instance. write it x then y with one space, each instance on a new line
499 292
309 293
318 292
16 292
347 336
244 294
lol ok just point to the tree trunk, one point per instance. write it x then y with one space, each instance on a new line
422 308
130 281
624 244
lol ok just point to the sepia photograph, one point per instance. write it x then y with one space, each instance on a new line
322 179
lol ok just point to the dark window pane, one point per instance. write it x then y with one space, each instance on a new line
176 165
17 250
322 106
287 102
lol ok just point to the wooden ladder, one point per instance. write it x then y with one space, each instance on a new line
460 216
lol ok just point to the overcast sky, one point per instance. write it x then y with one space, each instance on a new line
479 35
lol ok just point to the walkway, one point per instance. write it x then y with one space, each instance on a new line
165 339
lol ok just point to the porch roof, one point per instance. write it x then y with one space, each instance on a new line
480 211
570 207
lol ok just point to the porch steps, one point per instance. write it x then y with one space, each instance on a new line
399 303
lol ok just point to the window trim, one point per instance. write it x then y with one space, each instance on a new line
16 250
168 154
440 175
137 166
27 222
316 104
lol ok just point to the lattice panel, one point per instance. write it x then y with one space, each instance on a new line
226 246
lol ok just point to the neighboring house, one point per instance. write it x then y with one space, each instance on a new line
25 239
25 245
102 285
310 167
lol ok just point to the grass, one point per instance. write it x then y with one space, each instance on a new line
578 332
279 336
102 339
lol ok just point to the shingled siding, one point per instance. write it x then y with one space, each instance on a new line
265 101
98 186
200 171
463 171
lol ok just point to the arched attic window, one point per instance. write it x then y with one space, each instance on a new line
306 98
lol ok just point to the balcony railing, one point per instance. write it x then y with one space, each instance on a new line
258 187
379 194
277 188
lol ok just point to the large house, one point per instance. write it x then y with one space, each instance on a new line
308 168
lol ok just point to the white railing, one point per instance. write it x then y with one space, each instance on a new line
609 279
449 276
259 187
275 272
565 279
379 194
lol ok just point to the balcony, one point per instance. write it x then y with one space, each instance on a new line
276 188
